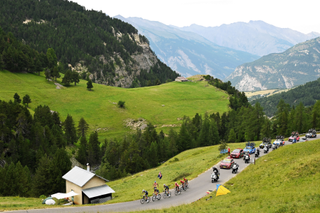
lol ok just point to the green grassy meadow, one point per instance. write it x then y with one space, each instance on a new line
161 105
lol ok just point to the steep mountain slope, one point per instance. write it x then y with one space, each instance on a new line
296 66
255 37
308 94
188 53
107 50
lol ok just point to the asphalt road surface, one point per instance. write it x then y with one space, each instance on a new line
198 188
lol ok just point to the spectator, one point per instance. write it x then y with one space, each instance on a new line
159 175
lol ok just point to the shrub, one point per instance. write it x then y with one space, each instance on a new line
121 104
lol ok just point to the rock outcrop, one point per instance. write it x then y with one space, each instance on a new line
296 66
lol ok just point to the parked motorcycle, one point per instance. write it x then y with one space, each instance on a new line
235 168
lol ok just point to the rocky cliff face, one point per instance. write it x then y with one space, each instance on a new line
296 66
144 60
126 73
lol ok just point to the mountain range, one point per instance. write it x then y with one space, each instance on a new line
255 37
220 51
293 67
189 53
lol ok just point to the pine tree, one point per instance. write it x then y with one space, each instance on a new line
153 153
57 132
47 73
89 85
184 141
37 66
213 133
82 152
22 178
55 73
93 149
316 115
43 177
52 58
67 79
69 130
172 146
83 127
75 77
16 98
232 136
282 117
204 132
300 118
60 165
10 186
266 131
26 99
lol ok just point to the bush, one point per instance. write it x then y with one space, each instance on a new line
121 104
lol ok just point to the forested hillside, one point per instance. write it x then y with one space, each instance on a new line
37 144
107 50
16 56
308 94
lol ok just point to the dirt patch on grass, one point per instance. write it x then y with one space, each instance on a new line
136 123
180 176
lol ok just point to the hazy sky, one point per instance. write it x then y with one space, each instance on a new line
300 15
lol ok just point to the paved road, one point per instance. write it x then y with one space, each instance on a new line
198 189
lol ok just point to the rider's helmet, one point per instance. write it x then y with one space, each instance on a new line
164 184
175 183
155 181
143 190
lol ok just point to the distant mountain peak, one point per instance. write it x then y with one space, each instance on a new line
295 66
256 36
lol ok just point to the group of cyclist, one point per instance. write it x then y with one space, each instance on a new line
184 183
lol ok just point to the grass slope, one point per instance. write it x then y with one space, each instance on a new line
161 105
286 180
189 163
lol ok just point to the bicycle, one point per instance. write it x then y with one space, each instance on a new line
186 184
166 194
144 199
183 187
156 197
177 192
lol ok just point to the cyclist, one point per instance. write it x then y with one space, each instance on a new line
182 183
166 188
145 194
155 186
185 180
177 186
